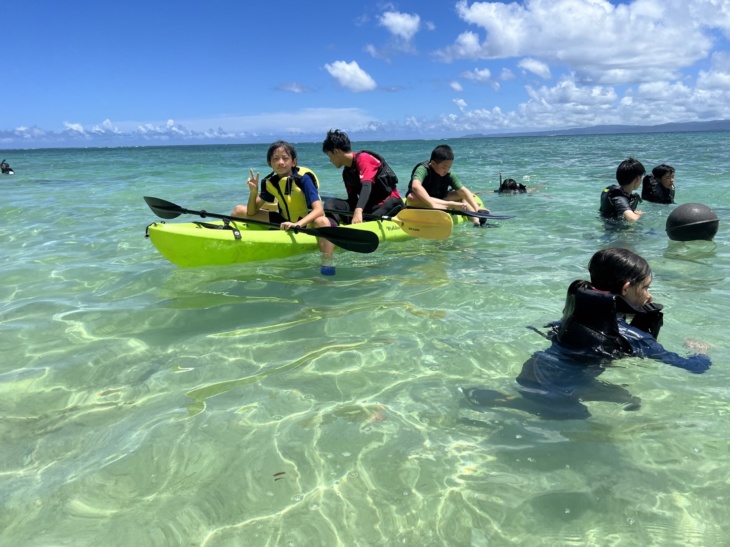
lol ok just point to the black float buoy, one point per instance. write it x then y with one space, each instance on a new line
691 222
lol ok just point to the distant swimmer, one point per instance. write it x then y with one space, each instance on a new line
659 186
6 169
510 187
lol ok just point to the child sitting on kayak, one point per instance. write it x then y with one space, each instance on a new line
294 190
370 183
593 332
433 185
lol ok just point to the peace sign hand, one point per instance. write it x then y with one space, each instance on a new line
253 182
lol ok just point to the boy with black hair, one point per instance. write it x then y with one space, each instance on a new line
369 181
659 186
618 200
433 185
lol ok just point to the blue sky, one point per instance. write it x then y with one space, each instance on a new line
84 73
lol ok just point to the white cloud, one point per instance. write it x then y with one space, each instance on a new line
403 25
75 127
599 41
478 75
461 104
351 76
456 86
536 67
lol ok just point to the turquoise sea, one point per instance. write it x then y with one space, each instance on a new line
265 404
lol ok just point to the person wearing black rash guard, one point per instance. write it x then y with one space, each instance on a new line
659 186
618 200
593 332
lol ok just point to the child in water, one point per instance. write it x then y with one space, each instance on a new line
592 333
294 189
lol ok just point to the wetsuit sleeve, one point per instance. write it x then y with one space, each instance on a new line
362 201
310 191
644 345
455 182
621 204
420 173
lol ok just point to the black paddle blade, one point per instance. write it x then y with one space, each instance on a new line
357 241
162 208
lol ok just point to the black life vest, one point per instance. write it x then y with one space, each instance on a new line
653 190
384 184
590 321
435 185
609 194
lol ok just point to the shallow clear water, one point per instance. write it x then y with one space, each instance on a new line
264 404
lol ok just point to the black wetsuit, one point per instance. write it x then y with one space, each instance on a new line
553 382
615 201
653 190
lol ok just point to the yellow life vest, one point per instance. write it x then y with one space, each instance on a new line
289 192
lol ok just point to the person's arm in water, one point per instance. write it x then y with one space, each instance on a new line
644 345
632 216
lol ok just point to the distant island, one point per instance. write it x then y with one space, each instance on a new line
715 125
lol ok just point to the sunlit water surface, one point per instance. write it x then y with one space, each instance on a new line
265 404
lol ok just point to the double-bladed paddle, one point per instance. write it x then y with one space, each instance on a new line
358 241
485 216
426 223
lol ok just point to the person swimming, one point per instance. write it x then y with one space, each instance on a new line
593 332
6 169
511 186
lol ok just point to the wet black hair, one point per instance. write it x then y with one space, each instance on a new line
511 186
611 268
336 140
660 170
628 170
281 144
442 152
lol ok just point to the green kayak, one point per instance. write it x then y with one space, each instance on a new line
215 243
231 240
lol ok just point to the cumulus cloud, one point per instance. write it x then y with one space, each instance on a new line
599 41
456 86
536 67
351 76
263 127
403 25
460 104
478 75
402 28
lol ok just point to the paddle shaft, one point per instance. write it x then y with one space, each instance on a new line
486 216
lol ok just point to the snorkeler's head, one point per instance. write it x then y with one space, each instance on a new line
611 268
511 186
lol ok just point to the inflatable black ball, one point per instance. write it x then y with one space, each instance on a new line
692 221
